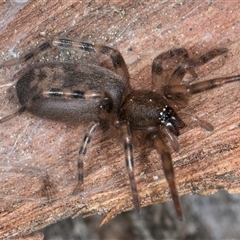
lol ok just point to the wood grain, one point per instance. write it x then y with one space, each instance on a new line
38 157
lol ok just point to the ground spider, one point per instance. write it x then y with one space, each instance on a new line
101 94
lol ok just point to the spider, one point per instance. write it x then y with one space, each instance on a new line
102 96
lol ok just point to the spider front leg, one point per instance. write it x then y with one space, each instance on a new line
182 64
190 64
162 149
128 149
185 90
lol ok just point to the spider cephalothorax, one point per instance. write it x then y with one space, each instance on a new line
97 94
137 103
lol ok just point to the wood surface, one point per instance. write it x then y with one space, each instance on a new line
38 157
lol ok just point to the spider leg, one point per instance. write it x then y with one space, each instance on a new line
67 93
168 170
82 153
172 138
118 62
128 149
189 65
105 101
209 55
19 111
158 78
184 64
170 91
87 95
200 122
13 115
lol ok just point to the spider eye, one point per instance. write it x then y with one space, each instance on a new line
170 119
165 115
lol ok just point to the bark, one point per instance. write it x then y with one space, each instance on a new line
38 157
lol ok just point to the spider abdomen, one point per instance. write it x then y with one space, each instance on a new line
60 91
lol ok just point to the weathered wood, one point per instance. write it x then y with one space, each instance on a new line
38 157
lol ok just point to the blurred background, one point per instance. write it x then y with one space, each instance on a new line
205 217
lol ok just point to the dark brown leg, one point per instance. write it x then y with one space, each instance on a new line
168 170
82 153
128 149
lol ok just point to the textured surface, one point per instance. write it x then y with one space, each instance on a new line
38 157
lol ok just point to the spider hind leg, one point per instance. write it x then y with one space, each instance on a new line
82 154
